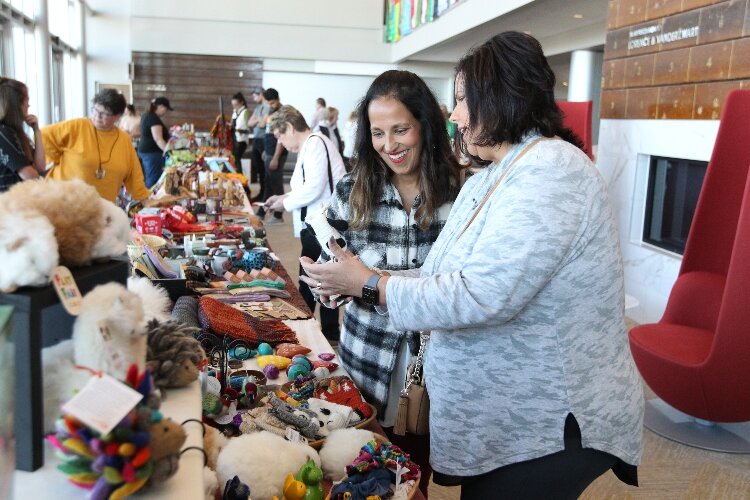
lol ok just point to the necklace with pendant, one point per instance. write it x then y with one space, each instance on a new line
100 171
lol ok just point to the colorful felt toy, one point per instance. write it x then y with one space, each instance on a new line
143 448
173 355
311 475
291 350
279 362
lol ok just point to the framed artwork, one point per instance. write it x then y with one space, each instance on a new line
124 88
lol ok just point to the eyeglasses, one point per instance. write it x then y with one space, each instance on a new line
103 114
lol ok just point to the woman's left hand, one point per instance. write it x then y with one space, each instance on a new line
344 276
32 121
275 203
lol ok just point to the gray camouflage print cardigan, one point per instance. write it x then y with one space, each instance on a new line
526 310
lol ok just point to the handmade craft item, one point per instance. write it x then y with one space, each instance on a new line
174 355
223 319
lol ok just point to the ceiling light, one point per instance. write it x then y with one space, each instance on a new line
577 16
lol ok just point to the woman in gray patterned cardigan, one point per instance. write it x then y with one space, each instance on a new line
533 390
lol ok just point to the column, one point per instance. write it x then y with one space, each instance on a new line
43 63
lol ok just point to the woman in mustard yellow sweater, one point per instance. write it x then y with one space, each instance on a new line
95 150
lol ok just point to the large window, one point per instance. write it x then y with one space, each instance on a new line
673 189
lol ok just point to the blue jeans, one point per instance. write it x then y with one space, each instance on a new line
153 164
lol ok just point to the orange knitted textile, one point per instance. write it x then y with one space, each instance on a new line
223 319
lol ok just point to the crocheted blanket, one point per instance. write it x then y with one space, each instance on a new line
223 319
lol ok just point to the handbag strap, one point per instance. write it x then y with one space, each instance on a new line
303 210
416 373
499 181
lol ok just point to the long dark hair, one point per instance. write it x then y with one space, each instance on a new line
509 89
12 95
439 170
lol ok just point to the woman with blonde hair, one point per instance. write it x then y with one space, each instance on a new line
19 158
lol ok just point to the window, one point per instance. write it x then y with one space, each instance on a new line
58 92
673 189
4 70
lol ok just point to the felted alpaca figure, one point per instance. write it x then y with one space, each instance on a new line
340 449
109 334
156 302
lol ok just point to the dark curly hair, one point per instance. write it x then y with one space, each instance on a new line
509 91
111 100
439 170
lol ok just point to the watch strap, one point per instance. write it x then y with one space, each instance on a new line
372 281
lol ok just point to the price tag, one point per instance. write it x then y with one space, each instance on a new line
294 436
102 403
67 290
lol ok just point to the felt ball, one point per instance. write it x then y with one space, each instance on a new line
326 356
296 370
78 447
99 463
141 457
242 352
265 349
128 472
128 489
112 475
251 389
301 359
126 450
141 439
271 371
115 462
101 490
321 372
280 361
211 404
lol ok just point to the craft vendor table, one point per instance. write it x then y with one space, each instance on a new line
39 320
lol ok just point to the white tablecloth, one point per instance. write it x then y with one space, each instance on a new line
180 405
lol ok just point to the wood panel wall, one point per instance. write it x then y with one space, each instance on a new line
674 59
193 84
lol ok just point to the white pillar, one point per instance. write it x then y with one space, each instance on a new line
583 74
83 59
43 63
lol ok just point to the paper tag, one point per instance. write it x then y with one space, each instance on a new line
67 290
102 403
114 353
294 436
400 471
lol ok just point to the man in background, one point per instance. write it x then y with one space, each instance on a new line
258 123
320 107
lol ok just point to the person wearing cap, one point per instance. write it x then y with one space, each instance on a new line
258 123
154 137
95 150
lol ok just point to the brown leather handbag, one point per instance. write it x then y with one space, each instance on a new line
413 411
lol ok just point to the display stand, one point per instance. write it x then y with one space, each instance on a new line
39 320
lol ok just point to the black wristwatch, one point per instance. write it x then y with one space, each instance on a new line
370 294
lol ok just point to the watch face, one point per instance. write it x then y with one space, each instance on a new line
370 295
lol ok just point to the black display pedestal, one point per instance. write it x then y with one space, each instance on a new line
39 320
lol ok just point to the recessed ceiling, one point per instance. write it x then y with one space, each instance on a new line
552 22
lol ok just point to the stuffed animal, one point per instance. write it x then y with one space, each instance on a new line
85 228
293 489
306 421
311 475
262 460
173 354
340 449
28 252
155 299
109 335
167 437
210 483
106 310
213 442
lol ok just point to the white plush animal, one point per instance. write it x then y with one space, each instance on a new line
340 449
210 483
115 234
28 251
110 333
262 460
156 301
85 228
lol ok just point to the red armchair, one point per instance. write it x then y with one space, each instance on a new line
577 117
697 357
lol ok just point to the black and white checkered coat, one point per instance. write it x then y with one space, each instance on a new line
392 241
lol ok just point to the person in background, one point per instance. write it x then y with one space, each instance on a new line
240 117
95 150
258 123
320 106
130 122
19 158
533 391
350 133
394 204
449 125
329 126
318 169
274 157
154 137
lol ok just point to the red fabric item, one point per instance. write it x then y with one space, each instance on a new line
223 319
697 358
341 390
577 117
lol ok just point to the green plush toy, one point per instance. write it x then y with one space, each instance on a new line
311 475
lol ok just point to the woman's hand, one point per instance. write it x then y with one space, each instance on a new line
32 121
346 275
275 203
